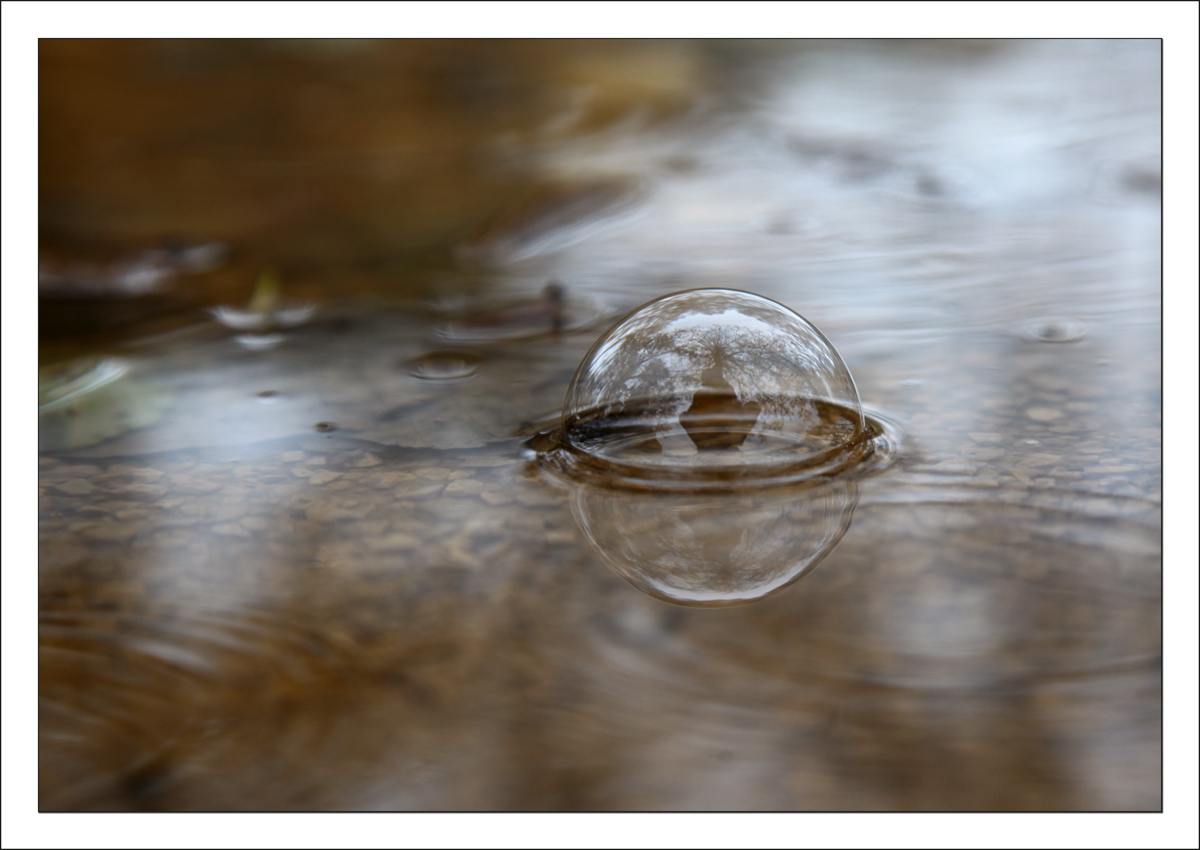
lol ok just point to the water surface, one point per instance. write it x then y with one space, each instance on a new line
309 564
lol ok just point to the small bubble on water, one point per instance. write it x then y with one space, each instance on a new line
444 366
1054 330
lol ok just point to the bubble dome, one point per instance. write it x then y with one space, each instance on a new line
711 389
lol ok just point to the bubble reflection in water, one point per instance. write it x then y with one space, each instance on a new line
713 549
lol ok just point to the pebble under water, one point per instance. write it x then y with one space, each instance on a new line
422 523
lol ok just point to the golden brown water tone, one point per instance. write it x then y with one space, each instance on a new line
310 564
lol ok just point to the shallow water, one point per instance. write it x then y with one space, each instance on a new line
312 565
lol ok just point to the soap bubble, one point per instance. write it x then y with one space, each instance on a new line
714 549
712 440
709 390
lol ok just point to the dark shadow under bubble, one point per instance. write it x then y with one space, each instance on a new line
715 549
